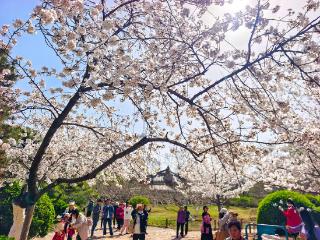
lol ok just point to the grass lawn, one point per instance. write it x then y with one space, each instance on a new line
161 213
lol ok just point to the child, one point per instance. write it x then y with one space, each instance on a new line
59 229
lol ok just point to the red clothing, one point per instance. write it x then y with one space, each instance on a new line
58 236
120 213
293 217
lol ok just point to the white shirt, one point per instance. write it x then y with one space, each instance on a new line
137 225
127 213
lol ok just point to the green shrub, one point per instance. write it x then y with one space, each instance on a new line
314 199
5 238
59 206
139 199
43 217
269 214
243 201
80 193
7 194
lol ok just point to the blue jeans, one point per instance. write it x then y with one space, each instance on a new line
109 221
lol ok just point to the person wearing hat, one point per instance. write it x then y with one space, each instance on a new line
71 207
224 217
293 219
139 223
59 232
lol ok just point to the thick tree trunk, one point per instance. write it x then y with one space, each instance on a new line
219 202
27 222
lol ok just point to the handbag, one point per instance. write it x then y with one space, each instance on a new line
131 227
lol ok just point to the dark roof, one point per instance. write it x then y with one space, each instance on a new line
166 177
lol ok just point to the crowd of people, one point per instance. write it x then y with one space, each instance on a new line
113 216
126 219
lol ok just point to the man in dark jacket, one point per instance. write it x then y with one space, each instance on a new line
108 214
95 215
139 223
186 225
89 208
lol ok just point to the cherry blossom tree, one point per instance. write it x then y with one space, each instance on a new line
210 179
181 75
293 166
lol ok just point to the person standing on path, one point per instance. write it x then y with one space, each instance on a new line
89 208
181 219
120 215
139 223
108 214
127 217
186 225
101 213
206 229
95 215
115 207
146 212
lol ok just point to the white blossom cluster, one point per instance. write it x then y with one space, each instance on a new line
137 74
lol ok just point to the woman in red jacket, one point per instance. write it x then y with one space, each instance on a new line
120 215
294 223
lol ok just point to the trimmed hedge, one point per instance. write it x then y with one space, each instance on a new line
314 199
269 214
139 200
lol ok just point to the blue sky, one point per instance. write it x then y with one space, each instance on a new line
30 47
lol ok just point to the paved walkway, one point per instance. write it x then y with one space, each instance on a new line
154 233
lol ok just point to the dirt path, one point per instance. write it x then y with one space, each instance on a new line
154 233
